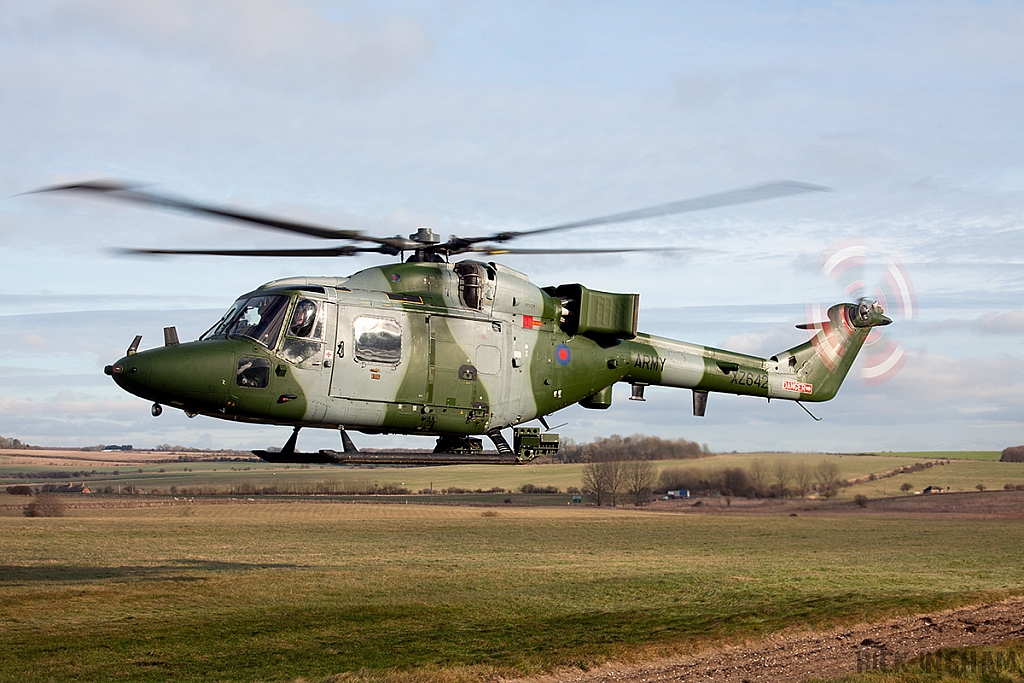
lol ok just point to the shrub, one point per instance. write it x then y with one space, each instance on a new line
44 506
906 486
533 488
861 500
21 490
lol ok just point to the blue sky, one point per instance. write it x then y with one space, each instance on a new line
476 117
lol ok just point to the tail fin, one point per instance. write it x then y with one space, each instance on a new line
822 363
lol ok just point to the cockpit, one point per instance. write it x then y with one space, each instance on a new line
262 317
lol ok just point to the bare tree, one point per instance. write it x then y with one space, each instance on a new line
803 476
760 474
826 473
783 476
602 479
44 505
639 477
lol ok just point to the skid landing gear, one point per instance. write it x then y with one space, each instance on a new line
450 450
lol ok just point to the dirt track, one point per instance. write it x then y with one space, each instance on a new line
796 657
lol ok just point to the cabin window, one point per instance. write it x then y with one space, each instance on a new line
253 372
378 340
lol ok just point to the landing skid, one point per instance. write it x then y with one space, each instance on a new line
329 457
466 452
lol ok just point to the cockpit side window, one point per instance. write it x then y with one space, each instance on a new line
260 319
304 320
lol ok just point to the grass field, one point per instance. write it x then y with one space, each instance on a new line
959 475
950 455
284 590
963 473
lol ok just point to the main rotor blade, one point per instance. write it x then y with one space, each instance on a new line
498 251
115 189
326 251
744 195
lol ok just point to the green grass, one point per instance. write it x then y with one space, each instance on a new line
951 455
959 475
471 477
278 591
962 473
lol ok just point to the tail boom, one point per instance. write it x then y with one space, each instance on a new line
812 371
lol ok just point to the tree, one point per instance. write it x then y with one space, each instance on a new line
760 474
803 476
1012 454
980 487
44 506
639 477
783 476
906 486
734 481
602 479
826 473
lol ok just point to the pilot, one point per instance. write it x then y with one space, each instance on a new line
302 319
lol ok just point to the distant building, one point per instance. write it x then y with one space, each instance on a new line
72 488
934 489
681 493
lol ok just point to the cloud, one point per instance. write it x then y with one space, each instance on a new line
764 342
1001 323
265 35
961 384
1009 323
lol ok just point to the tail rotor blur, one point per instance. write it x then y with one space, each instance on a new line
847 264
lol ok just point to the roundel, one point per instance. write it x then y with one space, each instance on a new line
395 277
563 355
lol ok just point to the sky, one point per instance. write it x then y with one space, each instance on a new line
476 117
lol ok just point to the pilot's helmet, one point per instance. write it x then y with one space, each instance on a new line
302 318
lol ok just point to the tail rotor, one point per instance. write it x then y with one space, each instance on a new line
847 264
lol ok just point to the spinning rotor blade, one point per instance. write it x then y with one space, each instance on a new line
117 190
326 251
424 241
498 251
755 193
844 263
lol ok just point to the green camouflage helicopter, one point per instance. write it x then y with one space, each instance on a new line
455 350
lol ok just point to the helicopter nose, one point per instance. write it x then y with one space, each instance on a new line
181 374
130 374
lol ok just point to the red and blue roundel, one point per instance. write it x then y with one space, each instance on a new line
395 277
563 355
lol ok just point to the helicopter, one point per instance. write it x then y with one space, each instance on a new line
453 349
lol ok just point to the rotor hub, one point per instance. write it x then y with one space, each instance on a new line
425 236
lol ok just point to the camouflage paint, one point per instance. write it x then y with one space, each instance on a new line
466 369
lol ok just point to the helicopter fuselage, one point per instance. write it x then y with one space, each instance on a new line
460 348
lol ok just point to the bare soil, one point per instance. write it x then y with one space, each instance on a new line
792 656
976 504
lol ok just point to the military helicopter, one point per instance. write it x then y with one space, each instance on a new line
450 349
